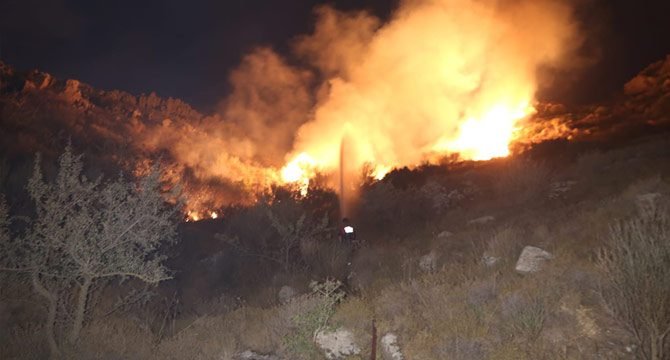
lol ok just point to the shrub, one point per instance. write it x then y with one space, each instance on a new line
522 180
314 319
636 282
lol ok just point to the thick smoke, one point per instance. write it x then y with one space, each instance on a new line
408 87
270 100
242 145
441 76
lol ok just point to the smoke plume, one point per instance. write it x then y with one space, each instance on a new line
440 77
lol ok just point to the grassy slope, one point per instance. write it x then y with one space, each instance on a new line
463 310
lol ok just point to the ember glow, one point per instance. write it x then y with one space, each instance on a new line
440 77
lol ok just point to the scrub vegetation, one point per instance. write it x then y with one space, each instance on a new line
436 266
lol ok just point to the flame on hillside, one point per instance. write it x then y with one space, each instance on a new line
440 77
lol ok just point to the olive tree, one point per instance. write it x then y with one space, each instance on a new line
85 231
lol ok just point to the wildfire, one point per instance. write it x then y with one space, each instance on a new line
440 77
300 171
193 215
489 136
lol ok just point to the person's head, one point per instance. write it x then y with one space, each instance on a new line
345 220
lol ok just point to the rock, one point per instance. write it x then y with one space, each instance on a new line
648 198
428 262
250 355
286 293
337 344
444 234
490 260
390 347
559 188
531 259
482 220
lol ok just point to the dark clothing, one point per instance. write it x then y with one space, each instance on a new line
347 233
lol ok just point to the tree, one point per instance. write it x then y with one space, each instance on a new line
292 233
290 226
87 231
4 221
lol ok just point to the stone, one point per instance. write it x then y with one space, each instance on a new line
250 355
558 189
444 234
286 293
648 198
428 262
490 260
482 220
337 344
390 347
531 259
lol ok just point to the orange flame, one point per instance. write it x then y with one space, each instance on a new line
441 77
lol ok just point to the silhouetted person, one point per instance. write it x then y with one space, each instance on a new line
347 233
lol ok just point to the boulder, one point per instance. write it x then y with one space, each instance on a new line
286 293
531 259
390 348
337 344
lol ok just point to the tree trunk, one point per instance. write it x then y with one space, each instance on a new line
373 346
52 301
80 310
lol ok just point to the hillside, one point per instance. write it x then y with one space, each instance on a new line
437 268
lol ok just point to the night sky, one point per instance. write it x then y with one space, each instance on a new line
186 49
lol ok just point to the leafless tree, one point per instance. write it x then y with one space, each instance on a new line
292 232
84 232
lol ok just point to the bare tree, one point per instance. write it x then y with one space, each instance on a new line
293 228
292 232
636 288
87 231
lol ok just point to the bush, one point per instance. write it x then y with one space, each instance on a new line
522 180
308 323
636 282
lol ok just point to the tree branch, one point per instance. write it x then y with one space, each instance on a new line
135 275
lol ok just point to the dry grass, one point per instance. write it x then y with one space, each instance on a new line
636 286
465 309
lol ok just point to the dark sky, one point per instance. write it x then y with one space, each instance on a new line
186 49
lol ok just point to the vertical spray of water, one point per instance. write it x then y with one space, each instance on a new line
342 196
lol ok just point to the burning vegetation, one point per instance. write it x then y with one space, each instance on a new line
483 214
438 79
355 98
